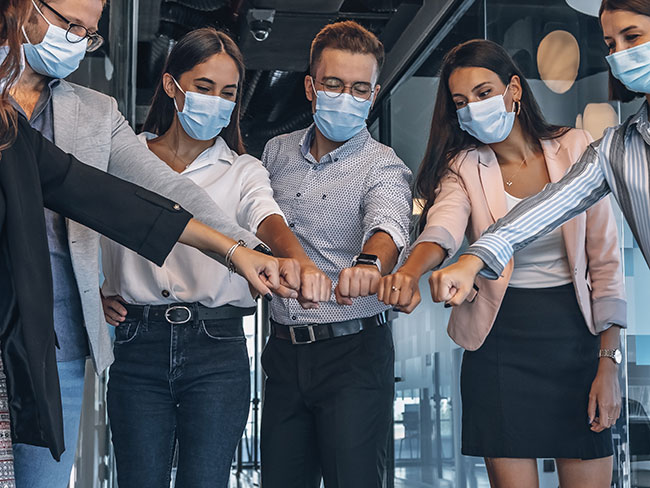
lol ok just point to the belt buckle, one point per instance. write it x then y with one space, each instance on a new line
178 307
292 333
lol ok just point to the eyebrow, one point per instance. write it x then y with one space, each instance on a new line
623 31
205 80
473 89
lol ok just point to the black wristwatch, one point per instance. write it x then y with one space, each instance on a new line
264 249
368 259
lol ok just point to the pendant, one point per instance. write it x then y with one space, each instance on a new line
509 183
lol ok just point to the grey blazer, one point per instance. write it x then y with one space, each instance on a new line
89 125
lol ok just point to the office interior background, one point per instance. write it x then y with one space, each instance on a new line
557 44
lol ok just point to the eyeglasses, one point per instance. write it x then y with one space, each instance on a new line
77 32
333 88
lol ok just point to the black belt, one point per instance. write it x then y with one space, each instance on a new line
308 333
181 313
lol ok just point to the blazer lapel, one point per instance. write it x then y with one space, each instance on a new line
492 182
65 104
558 162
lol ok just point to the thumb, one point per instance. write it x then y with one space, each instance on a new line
258 284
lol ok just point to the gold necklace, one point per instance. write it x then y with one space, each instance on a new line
512 177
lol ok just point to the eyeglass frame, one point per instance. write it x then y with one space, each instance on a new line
98 39
335 94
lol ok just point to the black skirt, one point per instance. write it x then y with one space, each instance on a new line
525 390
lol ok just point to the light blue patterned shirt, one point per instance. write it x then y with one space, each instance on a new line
617 163
334 206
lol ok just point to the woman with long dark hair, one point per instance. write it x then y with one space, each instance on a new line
531 366
34 173
179 377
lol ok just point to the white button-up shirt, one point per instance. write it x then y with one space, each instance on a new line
241 187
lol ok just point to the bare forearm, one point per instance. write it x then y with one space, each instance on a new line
381 245
610 339
206 239
277 235
424 257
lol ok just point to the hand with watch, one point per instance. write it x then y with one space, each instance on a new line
604 403
360 280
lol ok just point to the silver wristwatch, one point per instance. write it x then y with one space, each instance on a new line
614 354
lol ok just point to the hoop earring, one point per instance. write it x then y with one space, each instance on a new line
518 104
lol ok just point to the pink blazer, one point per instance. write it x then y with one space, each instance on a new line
474 198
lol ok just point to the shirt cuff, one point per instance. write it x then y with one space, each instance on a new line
257 219
395 233
608 312
438 235
494 251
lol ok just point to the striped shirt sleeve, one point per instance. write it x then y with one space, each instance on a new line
582 186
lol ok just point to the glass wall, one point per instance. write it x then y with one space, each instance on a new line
561 52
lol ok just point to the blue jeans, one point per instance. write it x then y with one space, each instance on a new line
34 466
188 383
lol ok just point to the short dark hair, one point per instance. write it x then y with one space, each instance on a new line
617 90
346 36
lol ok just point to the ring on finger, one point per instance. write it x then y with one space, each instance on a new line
394 288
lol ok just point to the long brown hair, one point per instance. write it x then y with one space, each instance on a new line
447 139
194 48
13 14
617 90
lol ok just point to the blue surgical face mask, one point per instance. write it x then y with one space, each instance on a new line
340 118
204 116
487 120
55 55
632 67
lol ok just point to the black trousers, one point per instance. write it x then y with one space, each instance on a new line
327 411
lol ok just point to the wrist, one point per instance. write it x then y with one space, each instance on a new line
607 365
473 263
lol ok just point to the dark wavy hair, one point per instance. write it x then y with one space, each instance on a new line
194 48
13 14
447 139
617 90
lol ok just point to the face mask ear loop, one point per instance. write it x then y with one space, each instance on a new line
40 13
182 91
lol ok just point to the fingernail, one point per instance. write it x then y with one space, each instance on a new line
268 296
447 305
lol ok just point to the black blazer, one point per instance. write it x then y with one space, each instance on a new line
35 173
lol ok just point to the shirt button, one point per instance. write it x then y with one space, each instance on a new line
292 225
298 194
177 206
324 197
165 293
293 317
336 159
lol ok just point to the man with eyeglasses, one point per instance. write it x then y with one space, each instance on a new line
89 125
330 379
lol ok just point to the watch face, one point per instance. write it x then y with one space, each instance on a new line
618 356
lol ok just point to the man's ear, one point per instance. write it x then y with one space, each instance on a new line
309 88
375 94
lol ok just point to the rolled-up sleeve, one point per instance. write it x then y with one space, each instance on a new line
448 216
256 201
388 202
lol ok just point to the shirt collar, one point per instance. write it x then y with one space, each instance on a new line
349 148
219 151
640 121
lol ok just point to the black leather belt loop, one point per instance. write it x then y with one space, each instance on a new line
183 313
309 333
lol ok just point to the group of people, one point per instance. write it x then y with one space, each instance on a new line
321 222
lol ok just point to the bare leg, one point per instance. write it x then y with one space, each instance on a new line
591 473
512 472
